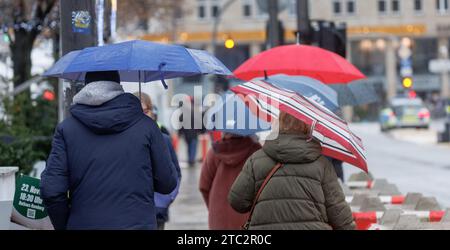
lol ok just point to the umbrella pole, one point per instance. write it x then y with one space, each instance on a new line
139 76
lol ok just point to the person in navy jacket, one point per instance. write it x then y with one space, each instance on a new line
106 162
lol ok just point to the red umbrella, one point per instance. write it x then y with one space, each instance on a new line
305 60
266 100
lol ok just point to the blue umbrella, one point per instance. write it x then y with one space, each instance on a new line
231 115
308 87
138 61
356 93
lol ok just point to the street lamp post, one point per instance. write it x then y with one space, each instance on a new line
216 23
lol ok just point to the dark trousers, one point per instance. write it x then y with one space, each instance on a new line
160 224
192 150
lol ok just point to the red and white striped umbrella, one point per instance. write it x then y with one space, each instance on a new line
336 139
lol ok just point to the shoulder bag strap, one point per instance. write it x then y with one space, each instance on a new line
266 180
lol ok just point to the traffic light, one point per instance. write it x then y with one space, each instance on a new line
407 82
412 94
48 95
229 43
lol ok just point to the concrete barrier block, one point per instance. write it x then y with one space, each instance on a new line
347 191
390 217
362 176
435 226
367 192
372 204
358 200
407 222
412 199
379 184
446 217
427 204
389 189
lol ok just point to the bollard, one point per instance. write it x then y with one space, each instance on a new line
7 189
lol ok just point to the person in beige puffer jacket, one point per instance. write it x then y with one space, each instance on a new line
304 194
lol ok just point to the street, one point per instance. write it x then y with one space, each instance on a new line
414 166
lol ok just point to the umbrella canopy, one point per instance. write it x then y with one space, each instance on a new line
331 131
354 94
304 60
230 114
138 61
308 87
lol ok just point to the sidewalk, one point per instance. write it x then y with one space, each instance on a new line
189 211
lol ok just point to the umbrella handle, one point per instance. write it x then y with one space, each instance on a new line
161 65
313 126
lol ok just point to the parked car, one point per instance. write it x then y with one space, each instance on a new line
404 113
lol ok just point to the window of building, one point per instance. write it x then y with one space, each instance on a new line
351 7
423 50
247 9
214 11
368 57
418 5
442 6
201 9
337 7
201 12
395 5
382 6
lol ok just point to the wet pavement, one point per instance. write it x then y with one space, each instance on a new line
188 210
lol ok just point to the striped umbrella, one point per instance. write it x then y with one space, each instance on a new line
266 100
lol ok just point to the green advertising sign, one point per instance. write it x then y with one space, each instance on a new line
27 198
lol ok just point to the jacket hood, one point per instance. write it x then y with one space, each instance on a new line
293 148
235 150
98 92
113 116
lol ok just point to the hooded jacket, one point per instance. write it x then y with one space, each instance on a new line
163 201
106 162
222 165
303 194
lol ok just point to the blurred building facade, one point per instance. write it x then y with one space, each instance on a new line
376 30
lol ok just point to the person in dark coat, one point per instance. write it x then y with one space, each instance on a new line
162 201
223 163
106 162
190 132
